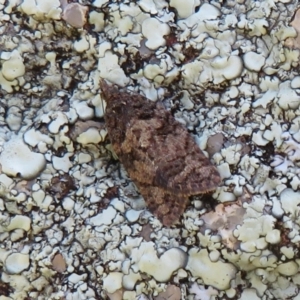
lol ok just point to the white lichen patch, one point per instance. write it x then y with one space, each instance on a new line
72 223
217 274
249 294
154 32
257 228
18 160
19 222
184 9
41 9
14 118
15 263
112 282
13 66
161 268
91 136
290 201
104 218
202 293
254 61
109 69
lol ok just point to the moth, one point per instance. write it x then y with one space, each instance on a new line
158 153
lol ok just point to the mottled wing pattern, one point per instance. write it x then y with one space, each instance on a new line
167 207
159 154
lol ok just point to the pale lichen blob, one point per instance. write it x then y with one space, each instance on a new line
15 263
18 160
13 66
217 274
154 32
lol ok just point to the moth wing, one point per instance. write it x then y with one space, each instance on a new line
182 167
159 151
168 208
188 176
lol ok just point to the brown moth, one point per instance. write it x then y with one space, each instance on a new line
159 154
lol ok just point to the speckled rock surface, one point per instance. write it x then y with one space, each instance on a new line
72 223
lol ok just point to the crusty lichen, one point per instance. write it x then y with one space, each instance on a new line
229 73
